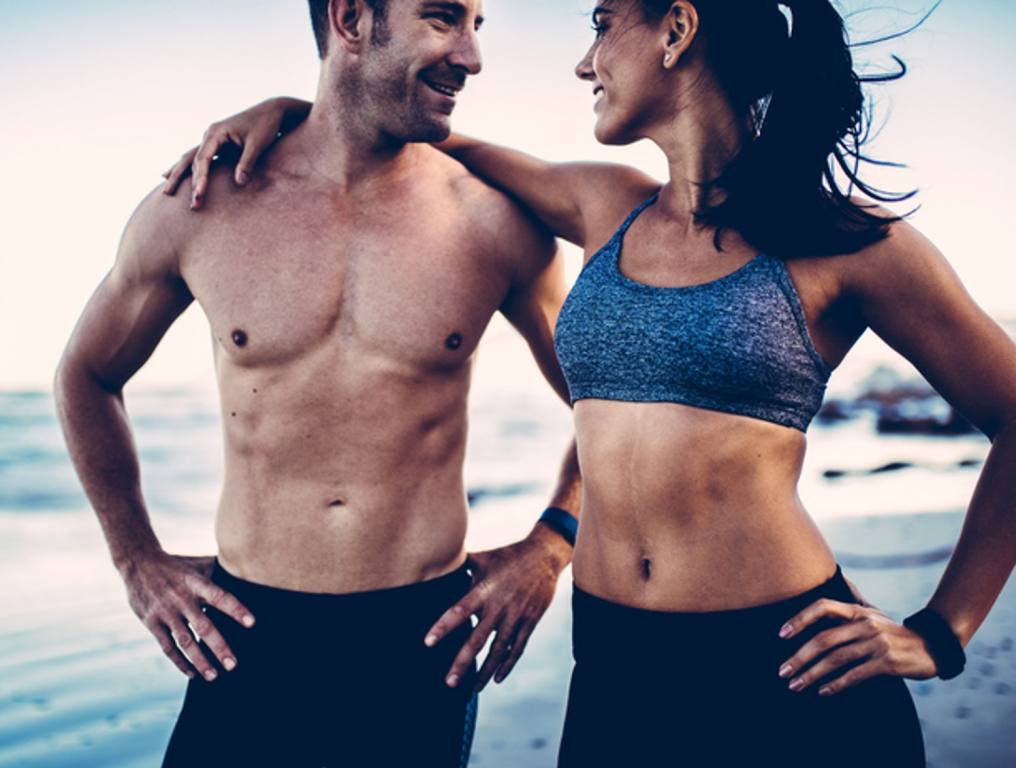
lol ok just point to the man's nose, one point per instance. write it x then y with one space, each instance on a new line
467 53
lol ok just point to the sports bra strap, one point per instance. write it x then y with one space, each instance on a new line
635 214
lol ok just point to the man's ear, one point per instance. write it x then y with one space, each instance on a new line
680 28
346 18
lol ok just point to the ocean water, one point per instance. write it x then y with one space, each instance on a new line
83 684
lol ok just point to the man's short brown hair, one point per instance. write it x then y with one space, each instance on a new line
319 20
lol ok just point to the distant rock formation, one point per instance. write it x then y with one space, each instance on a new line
901 406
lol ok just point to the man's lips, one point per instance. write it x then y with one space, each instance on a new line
444 87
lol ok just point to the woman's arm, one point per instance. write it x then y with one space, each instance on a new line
254 130
909 295
581 202
577 201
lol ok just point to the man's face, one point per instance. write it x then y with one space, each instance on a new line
414 69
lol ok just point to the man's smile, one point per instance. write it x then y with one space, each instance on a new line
444 86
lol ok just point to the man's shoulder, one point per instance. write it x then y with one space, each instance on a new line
158 230
488 210
473 195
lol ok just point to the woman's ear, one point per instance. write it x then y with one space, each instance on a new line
680 28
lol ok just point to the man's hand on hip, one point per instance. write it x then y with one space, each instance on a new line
168 592
512 588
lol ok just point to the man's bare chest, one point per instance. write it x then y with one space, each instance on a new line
417 295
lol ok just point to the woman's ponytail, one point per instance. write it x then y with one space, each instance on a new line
808 119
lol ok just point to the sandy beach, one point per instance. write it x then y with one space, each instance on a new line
83 684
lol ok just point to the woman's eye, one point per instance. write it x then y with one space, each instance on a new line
600 29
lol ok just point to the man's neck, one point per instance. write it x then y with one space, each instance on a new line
339 145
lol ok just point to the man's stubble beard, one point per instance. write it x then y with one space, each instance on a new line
395 104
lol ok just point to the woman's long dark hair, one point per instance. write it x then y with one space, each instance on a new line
809 120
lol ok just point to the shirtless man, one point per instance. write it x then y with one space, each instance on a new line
346 287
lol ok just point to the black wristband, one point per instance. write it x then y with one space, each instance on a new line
562 522
943 645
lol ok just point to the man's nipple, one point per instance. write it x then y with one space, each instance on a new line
454 341
240 337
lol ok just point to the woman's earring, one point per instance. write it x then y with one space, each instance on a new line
666 59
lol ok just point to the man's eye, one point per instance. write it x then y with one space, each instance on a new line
445 18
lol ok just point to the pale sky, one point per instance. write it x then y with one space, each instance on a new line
100 97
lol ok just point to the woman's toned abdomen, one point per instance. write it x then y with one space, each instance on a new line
692 510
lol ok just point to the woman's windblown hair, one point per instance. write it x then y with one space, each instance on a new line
806 110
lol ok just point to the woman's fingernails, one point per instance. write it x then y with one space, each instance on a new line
429 640
452 681
242 177
785 670
797 684
785 630
229 664
825 691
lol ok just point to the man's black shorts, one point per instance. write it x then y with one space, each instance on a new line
332 680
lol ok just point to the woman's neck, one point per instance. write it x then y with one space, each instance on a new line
700 140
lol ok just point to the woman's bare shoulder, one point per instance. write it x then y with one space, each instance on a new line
609 192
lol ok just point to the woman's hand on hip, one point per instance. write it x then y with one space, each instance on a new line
867 638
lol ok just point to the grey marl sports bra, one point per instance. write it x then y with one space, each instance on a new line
738 344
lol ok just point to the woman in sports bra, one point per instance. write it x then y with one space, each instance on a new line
712 625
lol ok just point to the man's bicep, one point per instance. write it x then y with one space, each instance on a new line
534 303
133 307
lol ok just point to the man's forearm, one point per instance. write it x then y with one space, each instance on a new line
102 449
567 496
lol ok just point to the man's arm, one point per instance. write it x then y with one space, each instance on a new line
119 329
514 585
532 307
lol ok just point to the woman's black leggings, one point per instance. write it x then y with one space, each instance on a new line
652 688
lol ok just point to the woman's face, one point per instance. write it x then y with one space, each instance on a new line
625 67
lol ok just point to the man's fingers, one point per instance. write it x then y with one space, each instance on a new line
224 601
822 643
496 656
469 652
518 646
211 637
185 642
452 619
172 652
820 609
